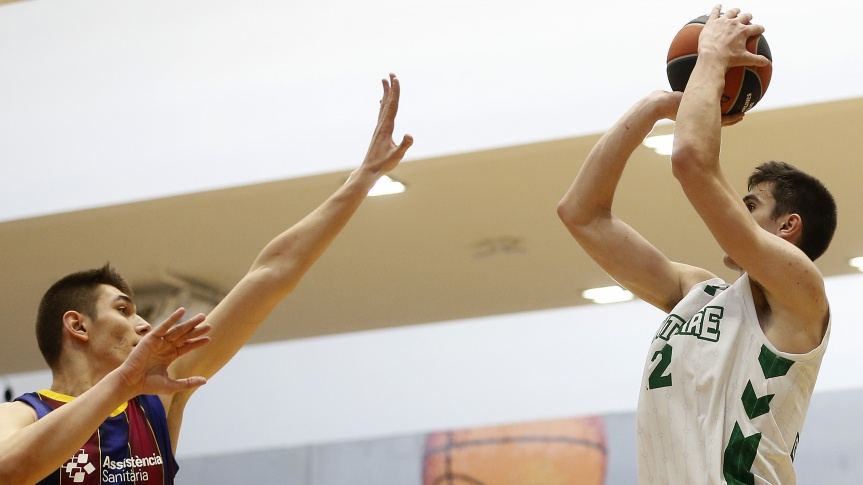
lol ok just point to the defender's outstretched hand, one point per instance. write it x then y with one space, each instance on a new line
146 368
282 263
384 154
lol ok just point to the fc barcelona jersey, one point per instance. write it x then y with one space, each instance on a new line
132 446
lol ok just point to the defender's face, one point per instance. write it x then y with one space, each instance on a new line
760 203
117 327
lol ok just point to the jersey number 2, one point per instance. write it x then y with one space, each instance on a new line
657 379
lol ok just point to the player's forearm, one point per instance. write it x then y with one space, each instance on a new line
592 192
273 276
38 449
697 134
289 255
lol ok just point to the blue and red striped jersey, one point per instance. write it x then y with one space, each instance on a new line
132 446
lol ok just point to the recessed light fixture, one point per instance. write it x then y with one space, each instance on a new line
387 185
607 294
857 262
661 144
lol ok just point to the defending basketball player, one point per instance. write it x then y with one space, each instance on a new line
730 371
119 387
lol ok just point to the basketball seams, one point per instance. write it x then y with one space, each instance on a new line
744 86
685 42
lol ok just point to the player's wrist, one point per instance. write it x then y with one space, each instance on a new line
661 105
364 177
716 56
122 385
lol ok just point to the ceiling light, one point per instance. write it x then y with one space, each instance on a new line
385 186
857 263
661 144
607 294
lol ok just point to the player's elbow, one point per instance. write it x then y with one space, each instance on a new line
583 224
685 162
275 280
570 215
564 211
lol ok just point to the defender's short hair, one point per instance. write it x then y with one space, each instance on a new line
78 292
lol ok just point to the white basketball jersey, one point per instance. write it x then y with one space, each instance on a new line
718 403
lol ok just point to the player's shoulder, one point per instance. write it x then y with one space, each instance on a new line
14 416
17 409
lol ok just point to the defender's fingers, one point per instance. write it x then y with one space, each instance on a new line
402 148
167 324
192 345
391 101
192 334
406 143
386 90
396 87
183 328
383 113
186 383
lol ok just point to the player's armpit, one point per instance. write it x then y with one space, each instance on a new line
689 276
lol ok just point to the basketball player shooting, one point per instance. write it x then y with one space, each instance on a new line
730 371
119 387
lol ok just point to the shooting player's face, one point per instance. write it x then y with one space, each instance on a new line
760 203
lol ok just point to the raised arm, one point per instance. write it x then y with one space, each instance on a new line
31 449
615 246
283 262
792 285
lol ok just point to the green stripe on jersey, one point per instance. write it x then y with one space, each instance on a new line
755 406
739 457
773 365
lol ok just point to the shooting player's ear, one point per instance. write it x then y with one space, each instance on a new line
76 325
792 228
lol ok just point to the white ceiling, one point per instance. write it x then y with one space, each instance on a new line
107 102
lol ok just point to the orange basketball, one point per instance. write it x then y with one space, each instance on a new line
744 86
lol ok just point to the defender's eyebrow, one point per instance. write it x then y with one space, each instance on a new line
751 198
124 298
